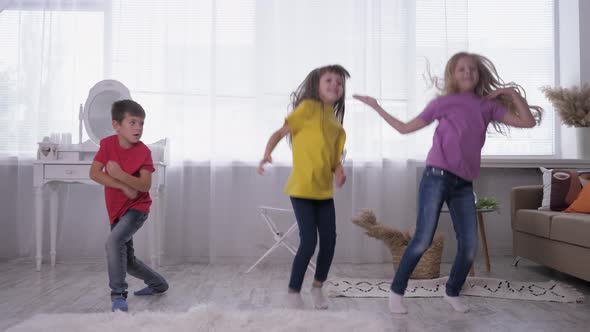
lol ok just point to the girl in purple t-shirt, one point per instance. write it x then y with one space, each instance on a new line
473 96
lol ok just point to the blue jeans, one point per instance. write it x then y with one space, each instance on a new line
313 217
438 186
121 257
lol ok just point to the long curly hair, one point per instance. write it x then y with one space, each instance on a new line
310 88
489 81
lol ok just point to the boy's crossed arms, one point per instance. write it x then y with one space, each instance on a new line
117 178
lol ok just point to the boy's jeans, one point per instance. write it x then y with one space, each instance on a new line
438 186
121 258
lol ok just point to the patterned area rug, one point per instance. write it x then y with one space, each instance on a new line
486 287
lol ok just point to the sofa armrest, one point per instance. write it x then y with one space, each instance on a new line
525 197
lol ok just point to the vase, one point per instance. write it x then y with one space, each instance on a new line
583 137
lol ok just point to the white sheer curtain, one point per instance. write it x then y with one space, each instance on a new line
215 77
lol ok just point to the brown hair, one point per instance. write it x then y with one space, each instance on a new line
129 106
309 88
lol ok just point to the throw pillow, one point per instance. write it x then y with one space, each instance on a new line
582 203
561 187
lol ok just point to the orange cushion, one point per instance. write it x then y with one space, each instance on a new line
582 203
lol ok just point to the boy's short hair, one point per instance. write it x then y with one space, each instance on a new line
121 107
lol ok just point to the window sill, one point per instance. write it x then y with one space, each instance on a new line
524 163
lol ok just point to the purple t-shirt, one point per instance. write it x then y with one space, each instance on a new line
461 132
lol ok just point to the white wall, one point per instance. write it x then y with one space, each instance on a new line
574 59
584 14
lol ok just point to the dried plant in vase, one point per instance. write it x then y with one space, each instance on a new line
572 104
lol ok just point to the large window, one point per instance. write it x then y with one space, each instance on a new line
50 54
215 76
518 36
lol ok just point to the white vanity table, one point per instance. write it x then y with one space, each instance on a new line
70 163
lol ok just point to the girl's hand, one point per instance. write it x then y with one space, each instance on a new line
504 91
370 101
265 160
340 179
129 192
340 176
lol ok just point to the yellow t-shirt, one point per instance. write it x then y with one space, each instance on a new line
317 144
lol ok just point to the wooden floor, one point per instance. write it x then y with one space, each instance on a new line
82 288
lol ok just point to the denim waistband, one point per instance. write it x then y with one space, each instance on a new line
443 172
437 171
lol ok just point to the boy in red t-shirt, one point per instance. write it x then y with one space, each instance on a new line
127 178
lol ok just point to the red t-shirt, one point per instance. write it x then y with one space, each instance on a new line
131 161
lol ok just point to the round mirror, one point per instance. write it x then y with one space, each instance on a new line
97 109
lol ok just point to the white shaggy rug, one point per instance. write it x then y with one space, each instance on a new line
487 287
206 318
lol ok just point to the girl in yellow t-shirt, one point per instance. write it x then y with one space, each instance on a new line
317 141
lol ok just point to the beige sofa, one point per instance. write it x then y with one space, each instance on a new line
555 239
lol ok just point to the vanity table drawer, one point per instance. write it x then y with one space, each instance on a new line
67 171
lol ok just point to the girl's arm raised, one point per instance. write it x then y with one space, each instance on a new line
274 139
401 127
523 118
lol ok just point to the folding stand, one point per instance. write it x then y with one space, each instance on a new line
279 236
